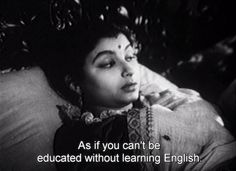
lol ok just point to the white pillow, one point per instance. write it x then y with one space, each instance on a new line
28 120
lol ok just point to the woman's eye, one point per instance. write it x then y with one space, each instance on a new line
107 65
130 58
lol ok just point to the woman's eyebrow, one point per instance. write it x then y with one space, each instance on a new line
105 52
128 46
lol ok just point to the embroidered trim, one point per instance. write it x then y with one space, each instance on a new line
140 128
149 122
134 127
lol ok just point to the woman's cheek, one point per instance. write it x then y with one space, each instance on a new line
101 76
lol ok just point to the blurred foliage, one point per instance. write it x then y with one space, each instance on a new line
191 42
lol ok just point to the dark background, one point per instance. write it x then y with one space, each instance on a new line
191 42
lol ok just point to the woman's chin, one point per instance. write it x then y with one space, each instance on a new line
130 98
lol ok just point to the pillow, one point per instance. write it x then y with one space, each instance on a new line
28 120
149 77
29 117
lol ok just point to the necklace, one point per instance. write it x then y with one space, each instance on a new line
89 118
71 113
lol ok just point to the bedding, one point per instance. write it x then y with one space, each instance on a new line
29 117
28 120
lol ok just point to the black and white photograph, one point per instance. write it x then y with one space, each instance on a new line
117 85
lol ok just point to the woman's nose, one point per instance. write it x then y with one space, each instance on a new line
127 70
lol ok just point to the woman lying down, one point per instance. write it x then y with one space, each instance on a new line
122 123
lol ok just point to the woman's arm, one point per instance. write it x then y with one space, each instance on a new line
192 130
155 89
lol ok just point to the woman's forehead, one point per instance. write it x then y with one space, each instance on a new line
116 44
119 42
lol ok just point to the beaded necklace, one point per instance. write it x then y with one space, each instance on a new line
72 113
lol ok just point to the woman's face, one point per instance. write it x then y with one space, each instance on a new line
111 73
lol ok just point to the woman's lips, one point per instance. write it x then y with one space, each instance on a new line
129 87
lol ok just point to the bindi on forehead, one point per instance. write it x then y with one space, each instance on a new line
119 46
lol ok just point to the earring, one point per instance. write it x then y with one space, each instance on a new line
75 88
